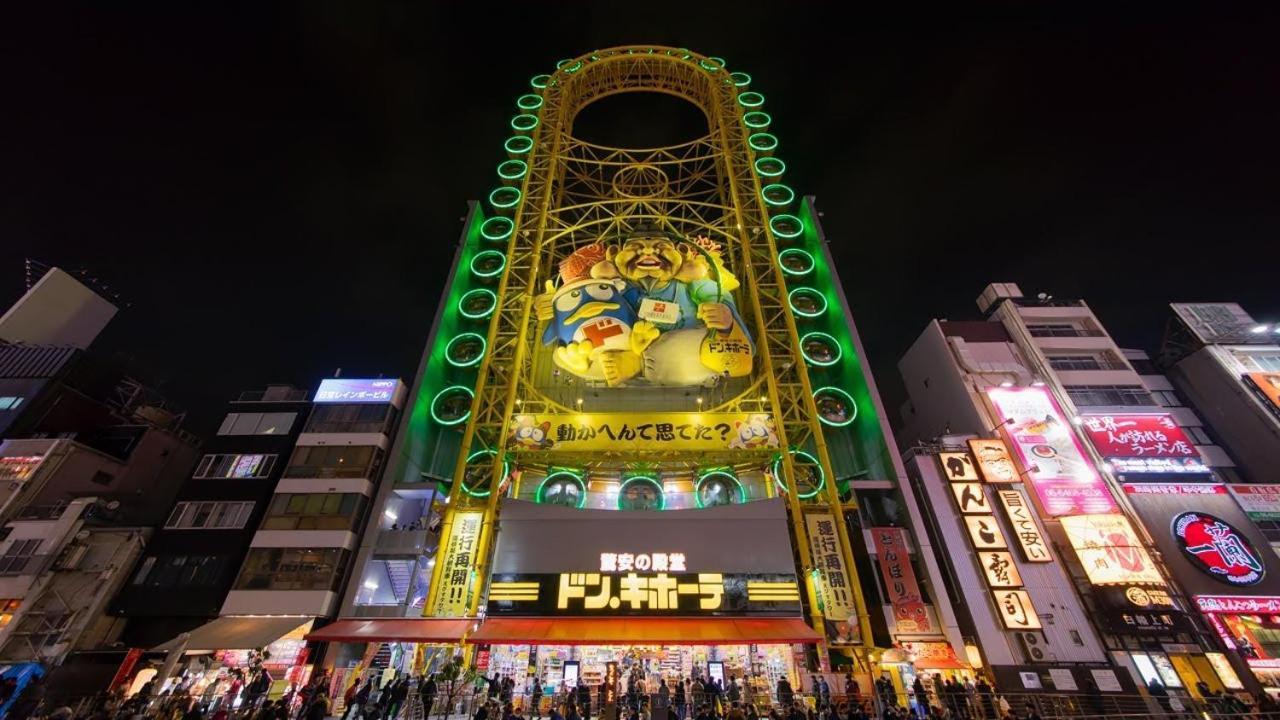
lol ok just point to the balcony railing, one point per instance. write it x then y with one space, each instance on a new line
1062 331
326 471
41 512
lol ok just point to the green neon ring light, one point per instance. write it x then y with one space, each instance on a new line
563 62
822 474
778 224
775 195
478 292
518 145
711 64
497 228
575 67
662 493
486 254
443 393
524 122
791 300
512 169
466 336
750 99
697 488
763 142
717 59
795 252
529 102
740 79
563 473
506 468
770 167
539 81
843 396
512 194
757 120
829 340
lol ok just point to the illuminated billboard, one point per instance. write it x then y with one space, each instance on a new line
356 390
646 307
1268 385
1109 550
1143 443
1056 466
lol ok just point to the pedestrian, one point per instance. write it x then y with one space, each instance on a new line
786 696
535 707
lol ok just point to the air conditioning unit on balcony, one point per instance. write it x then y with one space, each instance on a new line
71 557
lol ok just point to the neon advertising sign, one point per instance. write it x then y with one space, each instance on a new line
1218 549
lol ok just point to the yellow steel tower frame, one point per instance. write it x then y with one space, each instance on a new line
574 190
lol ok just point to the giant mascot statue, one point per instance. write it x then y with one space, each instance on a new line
650 309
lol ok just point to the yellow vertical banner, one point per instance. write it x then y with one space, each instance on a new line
458 558
837 595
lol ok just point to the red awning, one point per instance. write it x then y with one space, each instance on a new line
417 630
643 631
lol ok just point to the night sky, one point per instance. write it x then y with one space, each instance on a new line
277 192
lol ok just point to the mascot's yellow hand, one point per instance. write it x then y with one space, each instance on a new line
716 316
643 333
542 306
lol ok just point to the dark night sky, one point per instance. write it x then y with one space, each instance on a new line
278 191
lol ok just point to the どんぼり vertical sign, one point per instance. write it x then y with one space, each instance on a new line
900 580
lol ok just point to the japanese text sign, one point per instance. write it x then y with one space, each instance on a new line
1143 443
355 390
458 559
900 580
642 431
1025 530
1109 550
837 595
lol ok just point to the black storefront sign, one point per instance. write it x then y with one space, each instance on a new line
596 594
1140 610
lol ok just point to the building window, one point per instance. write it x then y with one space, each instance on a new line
1076 638
333 461
1059 330
1197 435
209 515
1265 363
235 466
9 402
292 569
18 556
314 511
8 607
1144 366
1074 362
1107 395
179 571
277 423
350 418
1167 398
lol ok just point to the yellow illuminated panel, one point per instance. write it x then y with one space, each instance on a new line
1025 530
970 498
999 569
635 431
595 591
984 533
1109 550
1016 610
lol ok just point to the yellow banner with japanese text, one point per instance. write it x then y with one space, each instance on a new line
642 431
459 560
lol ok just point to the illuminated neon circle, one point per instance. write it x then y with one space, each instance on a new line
641 492
770 167
529 102
452 405
475 476
561 63
795 262
807 302
763 142
572 68
466 350
835 406
518 144
524 122
811 470
504 198
477 304
488 263
777 195
719 487
787 227
562 487
512 169
757 120
711 64
750 99
497 228
740 79
820 349
539 81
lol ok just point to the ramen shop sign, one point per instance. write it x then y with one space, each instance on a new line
1218 549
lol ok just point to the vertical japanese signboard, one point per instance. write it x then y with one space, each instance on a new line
459 558
837 596
900 580
1030 539
993 460
1056 466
